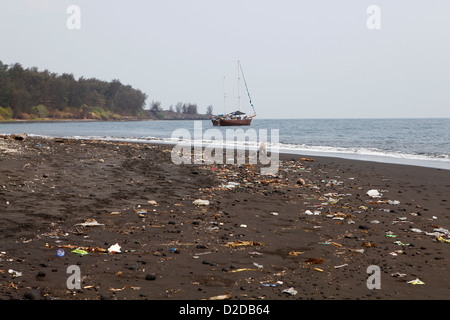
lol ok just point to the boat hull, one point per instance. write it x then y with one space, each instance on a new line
231 122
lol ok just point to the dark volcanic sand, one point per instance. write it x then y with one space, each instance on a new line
48 186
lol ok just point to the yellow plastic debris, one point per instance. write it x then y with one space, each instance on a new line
442 240
416 281
239 243
243 269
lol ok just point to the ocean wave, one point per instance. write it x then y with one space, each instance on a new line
366 151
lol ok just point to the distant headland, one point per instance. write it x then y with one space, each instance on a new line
33 95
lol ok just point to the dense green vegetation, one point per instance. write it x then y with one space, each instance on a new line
33 94
30 94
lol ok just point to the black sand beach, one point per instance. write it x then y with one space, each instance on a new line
312 228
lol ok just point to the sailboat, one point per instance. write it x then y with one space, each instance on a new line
236 118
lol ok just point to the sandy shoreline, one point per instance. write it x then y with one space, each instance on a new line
325 234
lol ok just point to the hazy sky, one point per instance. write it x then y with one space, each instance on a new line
302 59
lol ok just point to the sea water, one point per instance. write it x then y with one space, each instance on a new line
424 142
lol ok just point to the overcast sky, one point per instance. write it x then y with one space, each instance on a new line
301 59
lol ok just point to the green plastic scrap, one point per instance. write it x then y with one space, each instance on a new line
391 236
80 252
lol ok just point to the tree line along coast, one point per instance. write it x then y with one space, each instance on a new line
31 94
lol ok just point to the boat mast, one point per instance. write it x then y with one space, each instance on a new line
248 92
239 80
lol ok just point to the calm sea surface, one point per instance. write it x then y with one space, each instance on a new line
424 142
